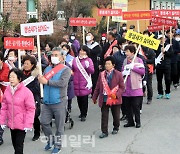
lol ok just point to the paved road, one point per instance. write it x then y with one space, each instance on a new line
159 134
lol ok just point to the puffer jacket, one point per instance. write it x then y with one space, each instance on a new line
18 109
80 82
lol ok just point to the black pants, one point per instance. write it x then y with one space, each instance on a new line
17 137
174 73
69 105
83 105
178 68
123 107
167 74
115 110
149 87
36 126
133 108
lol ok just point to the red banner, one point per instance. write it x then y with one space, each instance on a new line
109 12
166 13
87 22
137 15
155 28
19 43
164 21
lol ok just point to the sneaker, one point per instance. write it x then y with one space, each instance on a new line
124 117
56 151
83 119
167 96
103 135
80 116
1 141
35 137
140 111
114 132
160 96
176 86
48 147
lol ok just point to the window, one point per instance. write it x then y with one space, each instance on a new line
1 5
31 6
59 9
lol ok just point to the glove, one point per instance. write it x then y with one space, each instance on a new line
27 129
126 72
87 64
129 66
113 96
144 83
3 126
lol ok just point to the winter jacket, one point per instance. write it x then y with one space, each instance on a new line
18 109
56 89
129 92
119 57
79 81
4 75
117 79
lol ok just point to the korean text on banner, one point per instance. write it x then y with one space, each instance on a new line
137 15
109 12
166 13
39 28
142 39
87 22
164 21
119 4
19 43
155 28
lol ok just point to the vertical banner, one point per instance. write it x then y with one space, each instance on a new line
119 4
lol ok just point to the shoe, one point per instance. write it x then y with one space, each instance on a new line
1 141
160 96
35 137
56 151
124 117
114 132
176 86
103 135
138 125
83 119
149 101
48 147
167 96
80 116
140 111
129 125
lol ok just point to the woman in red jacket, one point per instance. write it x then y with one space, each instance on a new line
109 88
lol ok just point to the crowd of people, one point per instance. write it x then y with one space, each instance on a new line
113 70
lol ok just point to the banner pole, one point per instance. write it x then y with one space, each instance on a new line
171 35
138 28
108 24
163 35
83 35
19 59
39 61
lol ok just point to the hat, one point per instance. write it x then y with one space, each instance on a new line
103 35
132 27
178 31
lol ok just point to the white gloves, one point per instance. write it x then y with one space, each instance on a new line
27 129
3 126
144 83
87 64
126 72
129 66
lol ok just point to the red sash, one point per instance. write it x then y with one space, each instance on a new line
52 72
108 52
110 101
150 66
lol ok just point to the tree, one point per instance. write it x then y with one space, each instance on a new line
103 3
5 23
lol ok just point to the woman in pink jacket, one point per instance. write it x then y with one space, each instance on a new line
18 110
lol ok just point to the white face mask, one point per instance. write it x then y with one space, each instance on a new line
22 53
88 38
12 58
72 37
177 38
103 38
124 28
55 60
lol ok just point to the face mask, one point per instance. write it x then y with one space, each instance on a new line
103 38
64 52
88 38
177 38
55 60
11 58
22 53
124 28
72 37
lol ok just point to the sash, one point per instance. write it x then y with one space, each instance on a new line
110 101
6 53
92 45
108 52
25 82
69 59
1 95
52 72
84 73
150 66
